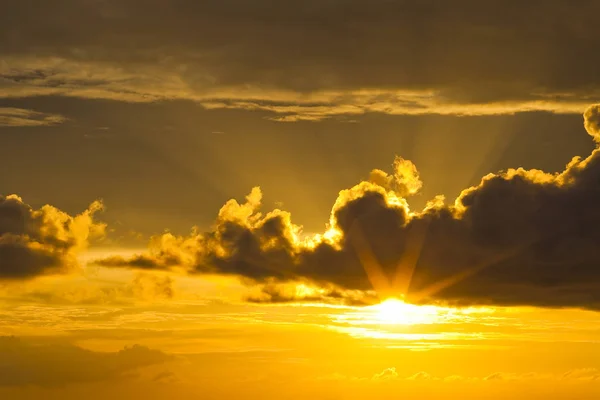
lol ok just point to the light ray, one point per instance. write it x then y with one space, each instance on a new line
456 278
410 257
369 262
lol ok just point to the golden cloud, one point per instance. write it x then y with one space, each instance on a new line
43 241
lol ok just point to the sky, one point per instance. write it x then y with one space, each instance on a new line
333 199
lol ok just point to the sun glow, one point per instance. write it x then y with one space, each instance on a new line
396 320
397 312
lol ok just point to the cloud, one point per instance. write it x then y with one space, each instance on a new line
23 363
591 119
583 374
404 181
22 117
386 375
144 287
166 377
519 237
152 287
308 61
389 375
300 292
43 241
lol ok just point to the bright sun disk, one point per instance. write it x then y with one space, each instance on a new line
397 312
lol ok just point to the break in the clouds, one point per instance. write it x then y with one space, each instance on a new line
42 241
308 60
10 116
518 237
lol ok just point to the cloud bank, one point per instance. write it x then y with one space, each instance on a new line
25 363
520 237
308 60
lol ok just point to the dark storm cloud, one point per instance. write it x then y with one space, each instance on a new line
44 241
519 237
25 364
311 59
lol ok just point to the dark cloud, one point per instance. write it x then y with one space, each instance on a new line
518 237
309 60
44 241
23 363
141 261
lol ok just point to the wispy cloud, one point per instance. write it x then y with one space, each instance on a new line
26 77
10 116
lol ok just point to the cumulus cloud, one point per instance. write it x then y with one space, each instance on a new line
404 181
518 237
382 56
591 119
23 363
10 116
386 375
43 241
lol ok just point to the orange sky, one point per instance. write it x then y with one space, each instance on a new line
326 199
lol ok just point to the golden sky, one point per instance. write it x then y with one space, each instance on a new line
332 199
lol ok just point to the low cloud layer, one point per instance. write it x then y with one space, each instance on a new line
308 60
43 241
390 375
519 237
24 363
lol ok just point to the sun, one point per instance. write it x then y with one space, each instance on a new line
396 312
392 311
